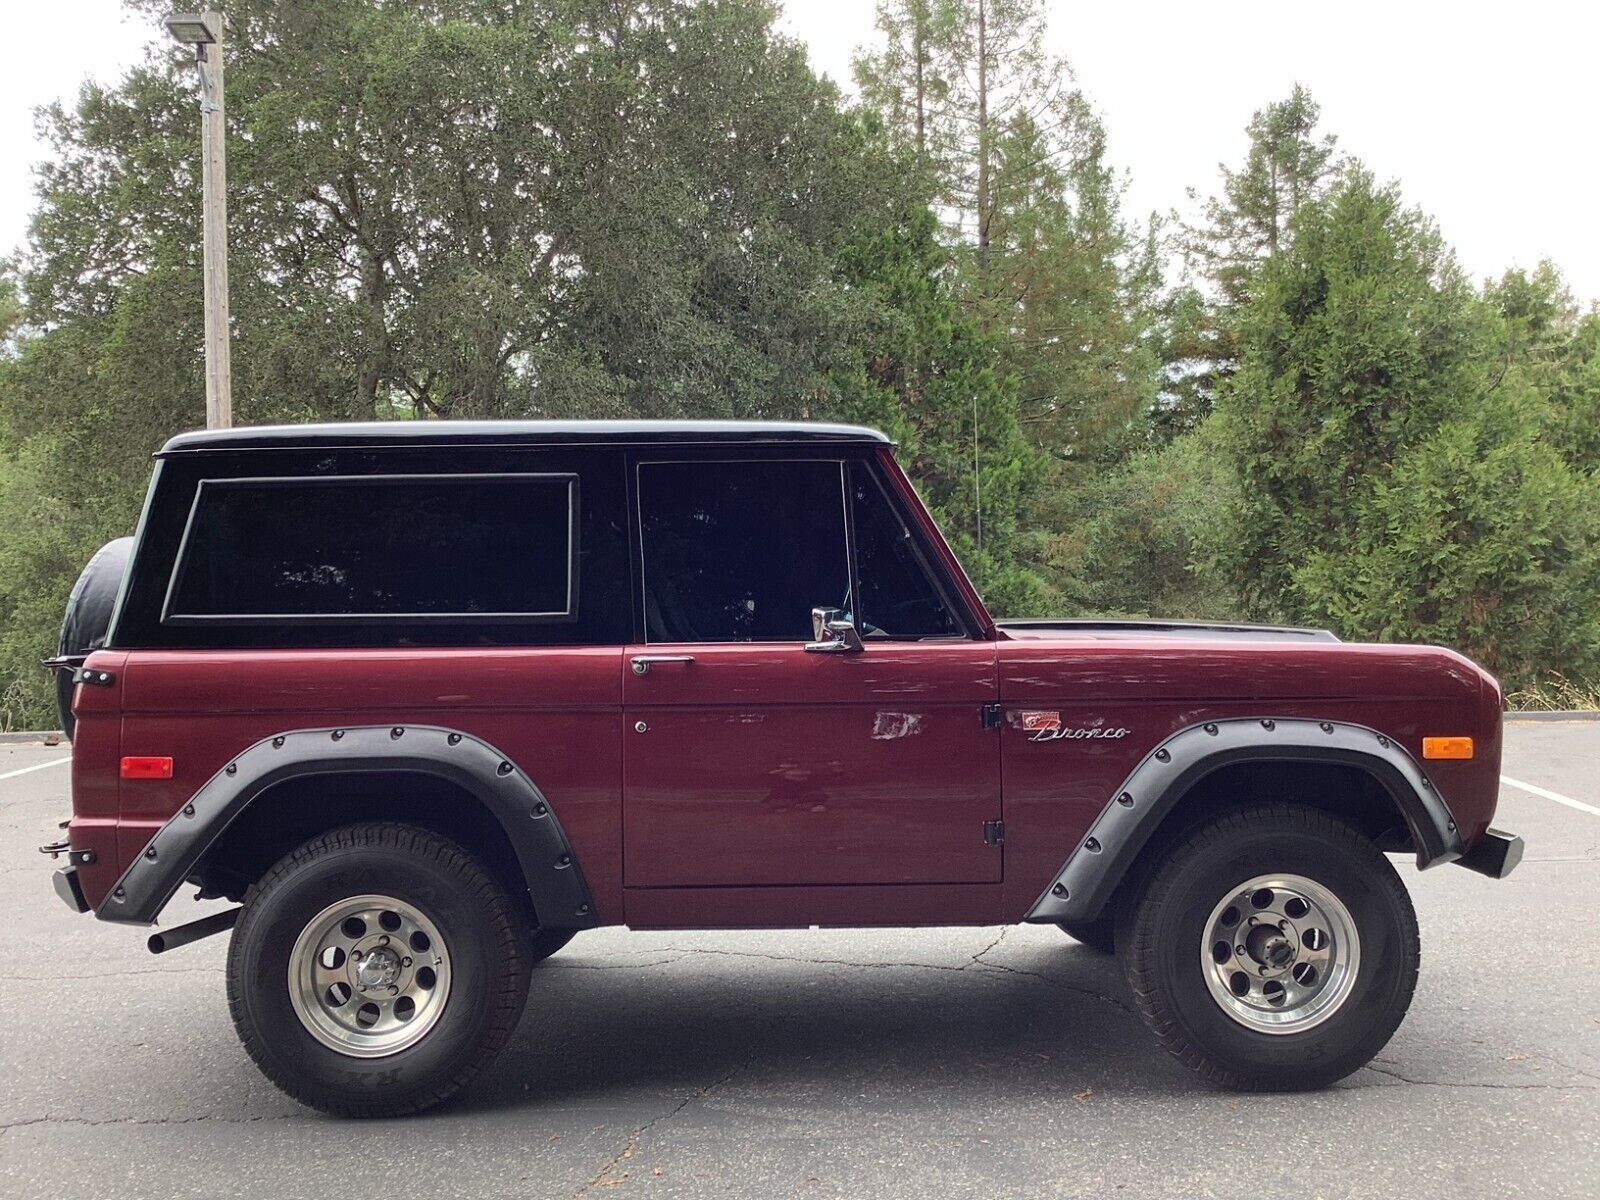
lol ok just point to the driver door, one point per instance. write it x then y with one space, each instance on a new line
752 760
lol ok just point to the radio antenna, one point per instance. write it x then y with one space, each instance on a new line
977 487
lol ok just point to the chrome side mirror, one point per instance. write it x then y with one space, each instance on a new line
832 632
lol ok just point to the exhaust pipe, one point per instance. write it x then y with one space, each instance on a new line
171 939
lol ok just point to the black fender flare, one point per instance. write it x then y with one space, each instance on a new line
1102 859
560 895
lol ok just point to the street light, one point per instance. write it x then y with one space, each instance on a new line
201 30
190 29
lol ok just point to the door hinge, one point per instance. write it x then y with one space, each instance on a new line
991 716
994 833
98 678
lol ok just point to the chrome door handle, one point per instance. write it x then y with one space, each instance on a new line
643 662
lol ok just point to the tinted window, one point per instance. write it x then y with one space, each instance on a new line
898 597
741 551
379 548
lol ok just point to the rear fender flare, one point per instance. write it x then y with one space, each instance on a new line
1119 834
560 895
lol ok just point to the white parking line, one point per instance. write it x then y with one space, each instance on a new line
1538 791
36 767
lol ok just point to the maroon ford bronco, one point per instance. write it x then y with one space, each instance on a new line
427 699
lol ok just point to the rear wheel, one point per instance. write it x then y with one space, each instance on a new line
376 969
1273 948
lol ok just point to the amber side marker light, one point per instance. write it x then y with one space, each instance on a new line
1446 747
146 767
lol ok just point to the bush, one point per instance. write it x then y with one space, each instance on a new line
1141 539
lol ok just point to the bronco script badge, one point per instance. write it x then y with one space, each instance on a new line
1047 727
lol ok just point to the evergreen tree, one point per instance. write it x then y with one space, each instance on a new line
907 81
471 208
1018 171
1288 166
1079 289
935 383
1399 470
1140 539
1558 350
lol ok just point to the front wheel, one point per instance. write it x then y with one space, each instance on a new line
1274 948
376 969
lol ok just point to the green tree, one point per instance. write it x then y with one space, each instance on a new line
949 78
468 208
907 81
1558 350
10 304
1075 293
935 383
1480 538
1016 165
1576 396
1288 166
1141 538
1394 443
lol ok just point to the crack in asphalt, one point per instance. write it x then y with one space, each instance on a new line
977 960
1566 1066
53 976
576 966
52 1119
820 962
608 1178
1494 1087
1065 987
978 957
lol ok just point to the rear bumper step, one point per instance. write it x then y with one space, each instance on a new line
1496 854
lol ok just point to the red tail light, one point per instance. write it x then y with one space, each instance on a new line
146 767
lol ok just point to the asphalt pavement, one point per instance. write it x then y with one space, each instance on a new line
943 1063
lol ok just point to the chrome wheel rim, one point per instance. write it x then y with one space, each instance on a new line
369 976
1280 954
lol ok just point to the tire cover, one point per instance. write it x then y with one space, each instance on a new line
88 615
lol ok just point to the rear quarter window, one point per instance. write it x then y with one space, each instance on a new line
379 548
436 546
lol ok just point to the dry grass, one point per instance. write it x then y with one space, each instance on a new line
1553 694
14 707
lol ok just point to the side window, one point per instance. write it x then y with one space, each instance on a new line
898 596
741 551
379 549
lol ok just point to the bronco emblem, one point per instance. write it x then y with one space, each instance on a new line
1047 727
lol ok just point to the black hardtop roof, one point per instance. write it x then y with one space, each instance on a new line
369 434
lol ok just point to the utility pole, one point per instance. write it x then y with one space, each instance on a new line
205 33
985 212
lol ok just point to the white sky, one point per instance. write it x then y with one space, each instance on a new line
1487 117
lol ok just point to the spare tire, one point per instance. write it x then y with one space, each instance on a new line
88 619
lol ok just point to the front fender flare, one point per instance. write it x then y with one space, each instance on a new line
1102 859
560 896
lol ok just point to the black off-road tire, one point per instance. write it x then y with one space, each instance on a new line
490 956
1099 934
1162 934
